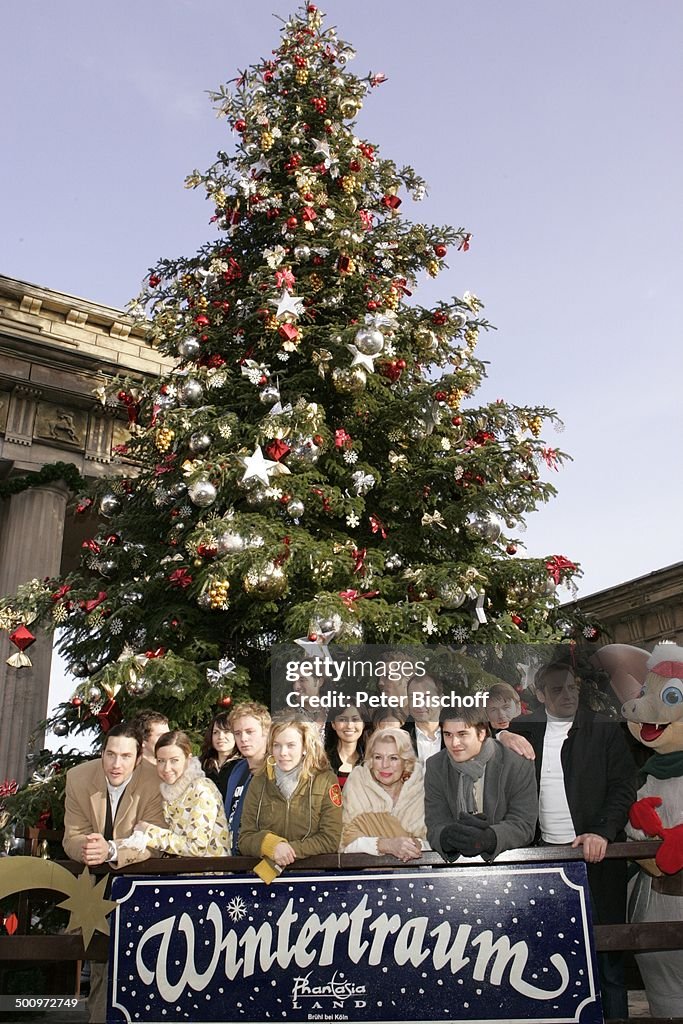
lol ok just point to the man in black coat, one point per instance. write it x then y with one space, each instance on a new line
587 782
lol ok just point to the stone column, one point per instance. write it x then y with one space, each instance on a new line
30 547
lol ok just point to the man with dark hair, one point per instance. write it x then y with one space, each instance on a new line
424 705
480 799
104 800
150 726
586 779
105 797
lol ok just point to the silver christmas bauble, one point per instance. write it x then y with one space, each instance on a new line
93 666
302 252
132 597
202 493
107 567
93 694
332 623
295 508
178 490
458 320
199 442
229 542
139 686
350 380
164 400
269 395
188 348
451 595
79 669
60 729
369 342
393 562
110 504
191 391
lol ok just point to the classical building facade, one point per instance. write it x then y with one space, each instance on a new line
55 350
641 612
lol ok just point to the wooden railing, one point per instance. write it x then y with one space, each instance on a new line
634 937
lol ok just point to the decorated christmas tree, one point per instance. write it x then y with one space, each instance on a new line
314 465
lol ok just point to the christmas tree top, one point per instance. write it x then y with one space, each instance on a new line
313 467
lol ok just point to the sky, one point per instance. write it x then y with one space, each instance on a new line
551 131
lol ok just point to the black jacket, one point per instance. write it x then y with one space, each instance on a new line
600 784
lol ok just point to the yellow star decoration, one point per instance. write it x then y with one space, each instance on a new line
86 902
88 907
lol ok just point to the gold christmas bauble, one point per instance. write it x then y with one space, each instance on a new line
266 581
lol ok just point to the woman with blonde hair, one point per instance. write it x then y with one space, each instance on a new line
384 800
293 805
193 807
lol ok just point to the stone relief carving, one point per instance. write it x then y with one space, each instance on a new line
61 425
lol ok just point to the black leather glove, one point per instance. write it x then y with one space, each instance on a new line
469 840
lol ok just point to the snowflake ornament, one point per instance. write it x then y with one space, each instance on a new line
352 520
350 457
460 634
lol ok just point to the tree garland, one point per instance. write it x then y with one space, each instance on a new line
48 474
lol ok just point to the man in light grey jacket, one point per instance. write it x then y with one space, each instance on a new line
480 799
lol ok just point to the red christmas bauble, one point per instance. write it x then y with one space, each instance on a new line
154 280
292 222
511 549
240 125
224 702
76 702
440 396
457 421
440 251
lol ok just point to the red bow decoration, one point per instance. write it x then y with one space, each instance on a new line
83 506
21 638
180 578
308 213
285 278
359 560
159 653
349 596
341 438
284 555
326 501
557 565
92 545
109 715
277 449
550 457
465 244
365 219
92 604
62 592
166 466
378 526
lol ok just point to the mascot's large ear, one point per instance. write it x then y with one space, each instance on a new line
626 666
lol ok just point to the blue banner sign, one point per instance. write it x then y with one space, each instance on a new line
476 944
